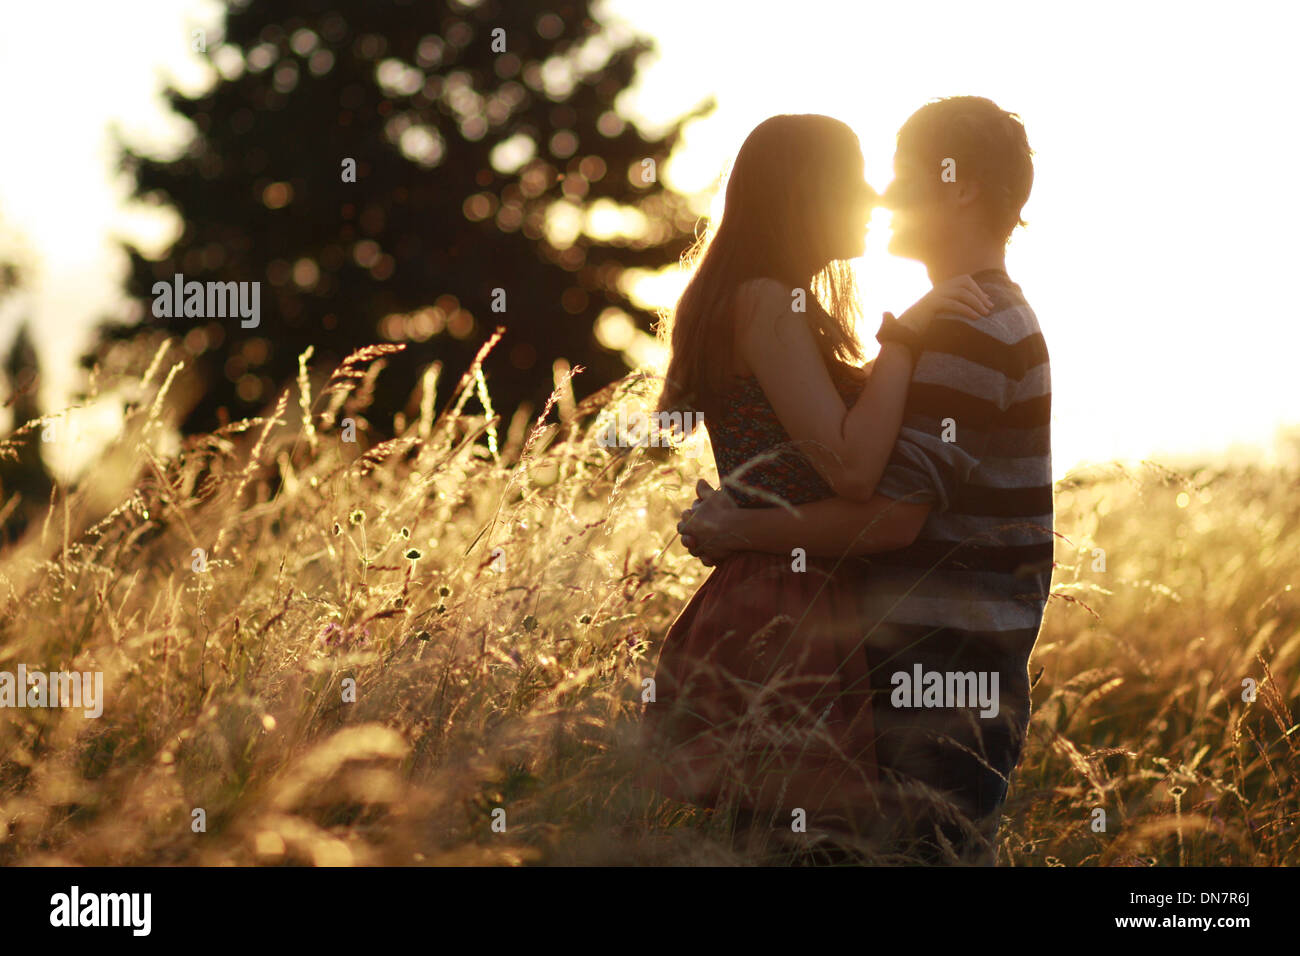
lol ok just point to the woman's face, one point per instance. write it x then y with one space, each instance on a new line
848 201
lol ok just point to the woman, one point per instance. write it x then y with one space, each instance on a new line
761 699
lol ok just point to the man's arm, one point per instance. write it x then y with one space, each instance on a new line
831 528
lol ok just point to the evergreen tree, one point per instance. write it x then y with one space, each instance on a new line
26 474
467 125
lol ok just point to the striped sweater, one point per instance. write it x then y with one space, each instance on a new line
970 592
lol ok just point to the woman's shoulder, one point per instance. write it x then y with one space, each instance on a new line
756 307
762 297
762 308
762 287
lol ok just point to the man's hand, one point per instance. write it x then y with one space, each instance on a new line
708 526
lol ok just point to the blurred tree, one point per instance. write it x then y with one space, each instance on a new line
24 474
480 133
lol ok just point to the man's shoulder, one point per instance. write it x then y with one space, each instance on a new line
1013 323
1016 329
1012 318
1008 338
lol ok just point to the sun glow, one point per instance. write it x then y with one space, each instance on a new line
1163 299
1134 285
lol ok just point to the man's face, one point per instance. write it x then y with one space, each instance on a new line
921 209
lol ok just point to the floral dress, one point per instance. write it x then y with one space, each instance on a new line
761 695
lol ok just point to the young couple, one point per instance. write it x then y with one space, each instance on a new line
882 539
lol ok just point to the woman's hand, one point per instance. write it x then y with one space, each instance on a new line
960 294
707 527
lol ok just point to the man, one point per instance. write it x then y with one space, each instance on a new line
955 547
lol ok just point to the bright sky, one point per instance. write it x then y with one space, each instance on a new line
1162 222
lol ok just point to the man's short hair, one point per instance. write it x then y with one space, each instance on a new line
988 145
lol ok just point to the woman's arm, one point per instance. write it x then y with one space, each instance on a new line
848 446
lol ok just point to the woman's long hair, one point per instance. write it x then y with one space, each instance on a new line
775 212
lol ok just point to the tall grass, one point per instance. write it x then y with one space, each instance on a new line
495 591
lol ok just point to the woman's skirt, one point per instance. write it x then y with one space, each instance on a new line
761 700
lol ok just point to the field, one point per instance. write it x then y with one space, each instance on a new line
377 648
